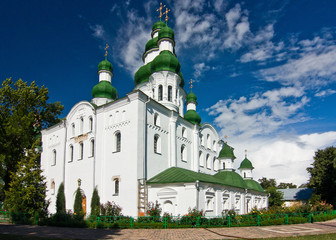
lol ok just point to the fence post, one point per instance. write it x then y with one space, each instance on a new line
198 221
258 220
165 222
310 218
229 222
132 223
286 219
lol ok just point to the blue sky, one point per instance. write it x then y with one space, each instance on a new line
265 71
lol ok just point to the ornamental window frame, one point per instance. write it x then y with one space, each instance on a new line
71 153
92 147
170 93
117 142
160 93
54 157
157 144
81 151
183 153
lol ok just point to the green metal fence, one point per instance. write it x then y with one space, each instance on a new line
170 221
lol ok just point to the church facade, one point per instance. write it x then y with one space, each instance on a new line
146 147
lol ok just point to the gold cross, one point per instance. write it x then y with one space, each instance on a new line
160 9
191 83
245 152
226 137
107 46
166 12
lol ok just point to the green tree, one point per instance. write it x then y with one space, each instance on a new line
323 175
24 112
267 183
27 190
60 200
286 185
275 197
95 203
78 208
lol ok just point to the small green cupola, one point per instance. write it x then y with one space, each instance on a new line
226 152
191 101
191 98
105 65
157 26
193 117
226 157
104 92
246 168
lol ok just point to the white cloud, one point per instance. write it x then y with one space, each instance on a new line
263 113
98 31
200 69
312 69
325 93
284 158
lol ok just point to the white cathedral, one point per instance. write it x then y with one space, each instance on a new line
145 147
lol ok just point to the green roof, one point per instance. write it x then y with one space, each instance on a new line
193 117
105 65
143 73
191 97
180 175
246 164
158 25
253 185
152 43
226 152
104 89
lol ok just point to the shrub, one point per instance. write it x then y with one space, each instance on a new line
60 200
154 209
95 203
110 209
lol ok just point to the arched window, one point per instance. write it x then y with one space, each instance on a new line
184 132
244 174
202 140
157 144
81 150
92 147
54 155
71 153
223 165
90 123
116 186
160 93
208 141
170 93
208 161
183 153
214 146
81 125
153 90
73 132
117 140
201 159
52 187
156 120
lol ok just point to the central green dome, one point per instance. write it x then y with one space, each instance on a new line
166 61
193 117
226 152
104 89
105 65
254 185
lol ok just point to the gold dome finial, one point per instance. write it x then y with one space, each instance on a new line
226 137
166 13
106 47
160 9
191 83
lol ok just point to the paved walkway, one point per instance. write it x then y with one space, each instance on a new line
173 234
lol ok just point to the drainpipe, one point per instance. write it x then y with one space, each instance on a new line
197 194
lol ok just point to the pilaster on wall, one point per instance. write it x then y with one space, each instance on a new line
172 136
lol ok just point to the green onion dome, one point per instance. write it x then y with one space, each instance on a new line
158 25
143 73
226 152
104 89
105 65
191 98
193 117
231 178
166 61
151 44
166 32
254 185
246 164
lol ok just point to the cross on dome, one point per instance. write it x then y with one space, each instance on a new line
166 13
160 9
245 152
106 47
191 83
226 137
